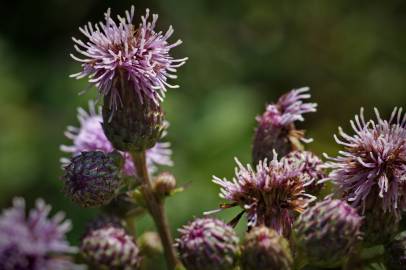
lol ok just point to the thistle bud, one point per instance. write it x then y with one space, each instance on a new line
92 179
208 244
327 232
395 252
265 249
110 246
164 183
137 124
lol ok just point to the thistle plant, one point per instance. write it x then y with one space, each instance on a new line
301 212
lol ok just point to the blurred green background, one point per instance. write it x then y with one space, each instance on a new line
242 54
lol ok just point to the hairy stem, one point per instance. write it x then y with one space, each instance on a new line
156 209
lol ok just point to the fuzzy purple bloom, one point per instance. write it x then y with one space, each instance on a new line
140 53
276 129
34 242
371 172
289 109
90 137
208 243
271 196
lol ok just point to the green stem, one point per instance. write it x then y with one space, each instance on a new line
156 209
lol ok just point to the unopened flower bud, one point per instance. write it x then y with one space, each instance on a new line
327 232
110 246
395 252
208 243
265 249
137 123
164 183
92 178
150 243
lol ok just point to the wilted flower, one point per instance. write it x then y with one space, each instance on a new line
327 232
272 195
208 243
371 172
109 245
395 252
92 179
265 249
276 129
90 137
137 54
36 242
311 168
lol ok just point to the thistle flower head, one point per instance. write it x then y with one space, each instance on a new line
289 109
272 195
90 137
92 179
140 54
276 129
327 232
110 246
208 243
395 252
311 169
265 249
34 242
371 172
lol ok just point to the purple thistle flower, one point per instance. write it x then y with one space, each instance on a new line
271 196
289 109
276 129
371 171
140 53
90 137
34 242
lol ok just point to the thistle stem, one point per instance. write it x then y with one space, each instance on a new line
156 209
